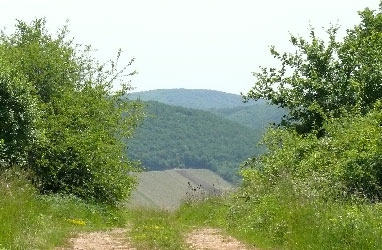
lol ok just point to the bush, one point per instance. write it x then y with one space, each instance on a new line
18 113
345 162
59 111
319 185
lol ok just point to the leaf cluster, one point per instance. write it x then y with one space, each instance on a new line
321 79
60 118
344 163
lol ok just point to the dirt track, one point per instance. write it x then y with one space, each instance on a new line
108 240
201 239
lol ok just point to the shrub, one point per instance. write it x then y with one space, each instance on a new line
18 113
347 161
59 111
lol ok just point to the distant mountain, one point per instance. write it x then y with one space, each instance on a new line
191 98
257 115
168 189
177 137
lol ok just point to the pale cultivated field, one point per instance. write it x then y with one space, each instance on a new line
169 188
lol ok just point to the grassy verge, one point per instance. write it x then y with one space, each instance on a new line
32 221
272 221
281 223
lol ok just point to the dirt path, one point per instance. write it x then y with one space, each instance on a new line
108 240
211 239
117 239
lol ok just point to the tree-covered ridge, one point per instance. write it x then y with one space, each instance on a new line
257 115
176 137
191 98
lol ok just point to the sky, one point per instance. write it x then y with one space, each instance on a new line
194 44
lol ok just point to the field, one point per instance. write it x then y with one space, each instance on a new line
168 189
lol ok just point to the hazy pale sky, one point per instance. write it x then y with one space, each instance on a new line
211 44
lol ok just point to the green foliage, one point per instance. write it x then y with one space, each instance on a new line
321 79
319 184
18 113
176 137
32 221
345 162
59 113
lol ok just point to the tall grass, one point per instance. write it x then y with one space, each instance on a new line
275 220
32 221
279 221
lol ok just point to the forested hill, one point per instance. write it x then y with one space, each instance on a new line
257 115
191 98
177 137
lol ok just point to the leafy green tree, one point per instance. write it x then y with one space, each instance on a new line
323 79
334 91
18 113
66 98
327 156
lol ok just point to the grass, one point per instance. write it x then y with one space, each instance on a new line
280 222
283 222
272 221
156 229
32 221
160 229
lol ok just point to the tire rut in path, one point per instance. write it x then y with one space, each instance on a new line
213 239
115 239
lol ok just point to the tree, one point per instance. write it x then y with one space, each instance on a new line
65 96
323 79
330 143
18 114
